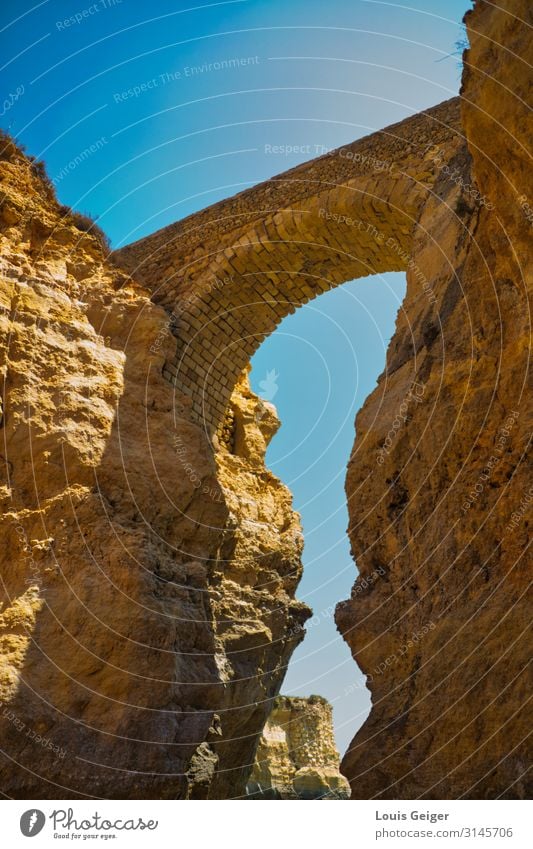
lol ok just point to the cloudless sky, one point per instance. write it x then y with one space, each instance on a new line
167 135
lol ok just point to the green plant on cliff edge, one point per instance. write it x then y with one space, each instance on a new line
87 224
12 150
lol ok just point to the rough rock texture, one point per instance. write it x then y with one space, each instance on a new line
496 108
297 757
258 622
147 604
438 482
148 580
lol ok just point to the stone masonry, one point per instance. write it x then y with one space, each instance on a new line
230 274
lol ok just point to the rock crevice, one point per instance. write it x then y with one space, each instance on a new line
150 560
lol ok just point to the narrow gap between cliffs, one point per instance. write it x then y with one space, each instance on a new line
318 368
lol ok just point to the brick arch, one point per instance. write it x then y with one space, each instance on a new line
229 274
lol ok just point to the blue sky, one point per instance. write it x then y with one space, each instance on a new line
170 129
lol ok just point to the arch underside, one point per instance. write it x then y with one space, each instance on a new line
229 274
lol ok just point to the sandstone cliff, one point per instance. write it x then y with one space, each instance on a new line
438 480
147 588
297 757
148 574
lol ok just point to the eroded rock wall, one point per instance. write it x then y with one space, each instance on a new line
147 592
297 757
258 621
438 482
148 581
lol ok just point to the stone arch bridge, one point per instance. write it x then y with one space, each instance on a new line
230 273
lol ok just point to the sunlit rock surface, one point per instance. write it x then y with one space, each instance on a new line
149 560
147 610
297 757
439 484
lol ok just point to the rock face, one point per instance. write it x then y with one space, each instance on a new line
438 482
149 563
258 623
297 757
148 605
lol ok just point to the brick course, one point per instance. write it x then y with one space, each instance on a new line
232 272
